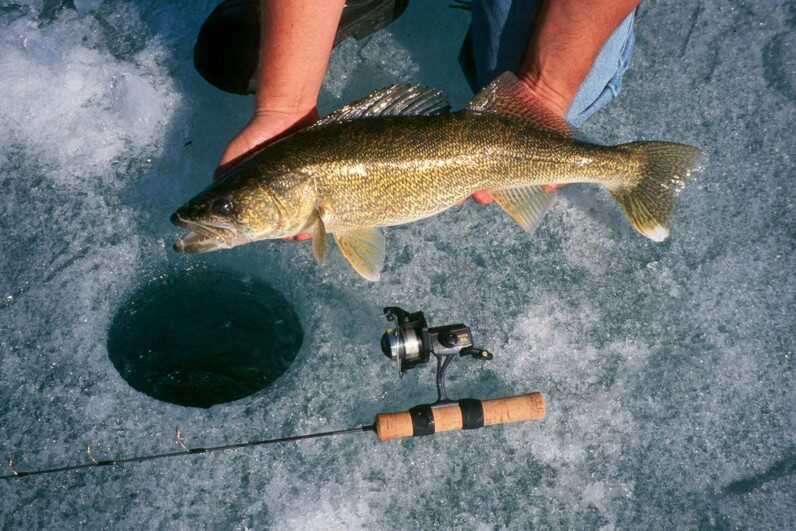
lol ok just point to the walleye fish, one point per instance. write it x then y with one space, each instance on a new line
398 155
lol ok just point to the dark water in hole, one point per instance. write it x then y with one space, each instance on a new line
203 338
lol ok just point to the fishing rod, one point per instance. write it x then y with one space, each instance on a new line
94 463
410 344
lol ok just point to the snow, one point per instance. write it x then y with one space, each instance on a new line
667 368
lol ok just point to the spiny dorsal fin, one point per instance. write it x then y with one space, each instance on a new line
525 205
364 250
507 96
395 100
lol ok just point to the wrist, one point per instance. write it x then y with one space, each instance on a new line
272 123
269 125
275 115
265 126
555 97
275 105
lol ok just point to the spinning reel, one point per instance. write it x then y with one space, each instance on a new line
413 342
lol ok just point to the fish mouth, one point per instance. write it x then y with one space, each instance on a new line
203 237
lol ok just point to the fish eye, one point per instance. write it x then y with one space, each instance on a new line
222 206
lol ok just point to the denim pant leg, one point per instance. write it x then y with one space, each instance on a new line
500 30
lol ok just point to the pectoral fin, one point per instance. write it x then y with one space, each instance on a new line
319 242
316 227
526 205
364 250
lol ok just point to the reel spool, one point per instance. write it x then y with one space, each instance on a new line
412 343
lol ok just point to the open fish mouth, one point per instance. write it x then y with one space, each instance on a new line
203 237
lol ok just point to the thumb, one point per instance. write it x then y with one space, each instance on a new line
242 143
245 141
264 128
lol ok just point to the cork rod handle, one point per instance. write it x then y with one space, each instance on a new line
465 414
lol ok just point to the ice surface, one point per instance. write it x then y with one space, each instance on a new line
668 368
86 6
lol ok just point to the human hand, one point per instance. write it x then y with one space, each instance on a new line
546 109
264 127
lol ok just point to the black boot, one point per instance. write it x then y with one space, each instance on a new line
227 48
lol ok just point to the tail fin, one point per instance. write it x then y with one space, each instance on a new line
665 170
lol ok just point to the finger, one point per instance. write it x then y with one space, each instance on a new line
219 171
259 132
483 197
235 150
298 237
237 147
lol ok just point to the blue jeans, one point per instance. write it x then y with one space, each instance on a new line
500 30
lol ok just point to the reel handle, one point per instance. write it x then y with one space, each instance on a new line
466 414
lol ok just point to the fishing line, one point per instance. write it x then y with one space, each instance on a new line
185 452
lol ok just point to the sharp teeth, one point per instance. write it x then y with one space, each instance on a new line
201 238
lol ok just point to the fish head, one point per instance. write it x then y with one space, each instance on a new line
232 212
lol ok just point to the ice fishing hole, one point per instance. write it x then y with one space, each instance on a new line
203 338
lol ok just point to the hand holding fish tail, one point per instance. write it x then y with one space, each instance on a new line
541 110
558 58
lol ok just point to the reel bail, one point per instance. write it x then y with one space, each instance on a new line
413 342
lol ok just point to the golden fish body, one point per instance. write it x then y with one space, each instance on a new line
394 170
394 157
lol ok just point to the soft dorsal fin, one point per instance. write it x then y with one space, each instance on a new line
526 205
507 96
364 250
395 100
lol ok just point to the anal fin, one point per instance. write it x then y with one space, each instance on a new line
364 250
526 205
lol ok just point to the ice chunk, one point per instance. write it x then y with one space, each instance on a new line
342 65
